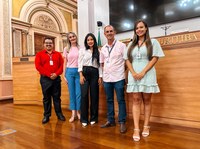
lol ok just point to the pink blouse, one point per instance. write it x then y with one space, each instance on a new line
71 57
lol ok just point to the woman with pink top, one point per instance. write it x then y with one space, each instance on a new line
71 74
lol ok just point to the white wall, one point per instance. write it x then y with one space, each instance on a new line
83 20
101 14
91 11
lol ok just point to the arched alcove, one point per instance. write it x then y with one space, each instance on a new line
45 20
33 6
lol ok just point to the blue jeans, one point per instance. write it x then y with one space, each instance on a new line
119 89
74 87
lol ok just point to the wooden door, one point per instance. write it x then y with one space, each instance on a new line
38 44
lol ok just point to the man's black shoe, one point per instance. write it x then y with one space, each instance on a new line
45 120
108 124
122 128
61 117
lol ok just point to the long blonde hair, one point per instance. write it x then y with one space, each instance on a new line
135 40
68 41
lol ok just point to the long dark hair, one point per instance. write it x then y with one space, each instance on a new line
95 53
135 40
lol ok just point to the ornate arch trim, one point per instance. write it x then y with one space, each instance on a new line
33 6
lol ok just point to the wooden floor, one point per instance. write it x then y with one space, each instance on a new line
31 134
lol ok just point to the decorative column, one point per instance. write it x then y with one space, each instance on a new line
31 52
24 43
17 42
83 19
5 40
6 89
64 41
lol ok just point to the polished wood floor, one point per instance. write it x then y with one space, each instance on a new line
31 134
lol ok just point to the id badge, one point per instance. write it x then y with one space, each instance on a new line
138 56
107 63
51 63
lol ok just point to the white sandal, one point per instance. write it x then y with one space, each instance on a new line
84 124
146 132
136 138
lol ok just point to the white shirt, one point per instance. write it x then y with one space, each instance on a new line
114 63
85 59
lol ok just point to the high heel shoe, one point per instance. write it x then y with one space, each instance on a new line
136 137
145 132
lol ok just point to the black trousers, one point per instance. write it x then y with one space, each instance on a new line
51 89
91 87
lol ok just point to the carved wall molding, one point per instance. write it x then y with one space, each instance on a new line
180 39
32 7
25 32
44 21
75 15
20 24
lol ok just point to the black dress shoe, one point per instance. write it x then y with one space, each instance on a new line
122 128
45 120
108 124
61 117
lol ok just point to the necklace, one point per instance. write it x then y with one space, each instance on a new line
139 56
139 45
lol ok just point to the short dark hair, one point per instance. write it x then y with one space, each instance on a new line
50 38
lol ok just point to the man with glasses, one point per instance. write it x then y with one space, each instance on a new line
111 58
49 63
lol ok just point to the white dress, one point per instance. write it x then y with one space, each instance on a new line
148 84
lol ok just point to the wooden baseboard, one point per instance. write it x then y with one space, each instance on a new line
6 97
6 100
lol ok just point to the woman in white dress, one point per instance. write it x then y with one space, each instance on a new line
141 56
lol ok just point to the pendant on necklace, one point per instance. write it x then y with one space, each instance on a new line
138 56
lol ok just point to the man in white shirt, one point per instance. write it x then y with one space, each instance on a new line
111 58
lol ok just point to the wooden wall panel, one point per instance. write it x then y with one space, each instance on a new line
6 89
26 83
179 81
64 94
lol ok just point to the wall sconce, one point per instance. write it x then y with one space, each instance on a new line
99 23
